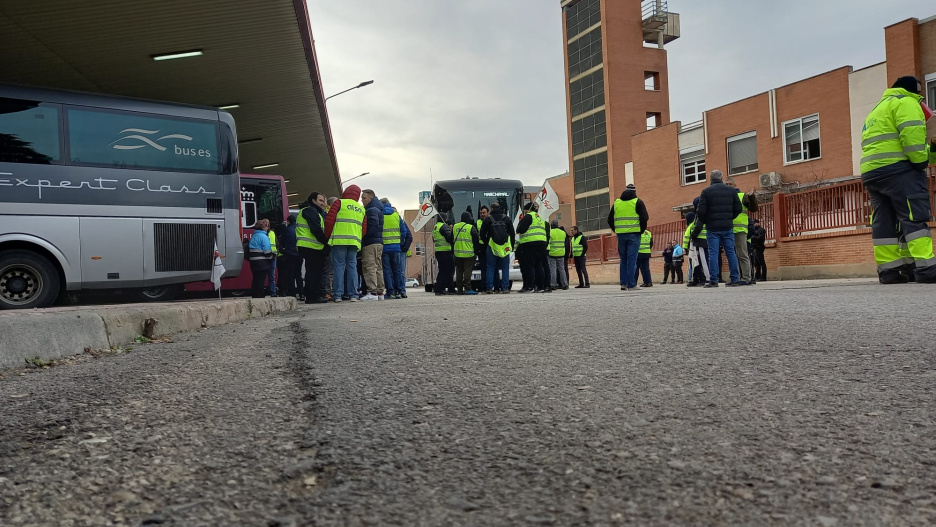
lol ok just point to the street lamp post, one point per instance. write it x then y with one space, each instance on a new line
343 183
365 83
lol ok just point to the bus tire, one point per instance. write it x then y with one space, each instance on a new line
161 293
27 280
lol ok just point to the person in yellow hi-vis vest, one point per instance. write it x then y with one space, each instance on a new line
344 228
628 218
497 233
894 157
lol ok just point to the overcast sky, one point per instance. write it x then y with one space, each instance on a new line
475 87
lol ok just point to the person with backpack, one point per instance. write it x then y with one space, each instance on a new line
498 236
533 235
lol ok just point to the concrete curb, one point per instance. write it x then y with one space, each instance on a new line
61 332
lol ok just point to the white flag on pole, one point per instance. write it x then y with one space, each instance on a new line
548 201
426 213
217 269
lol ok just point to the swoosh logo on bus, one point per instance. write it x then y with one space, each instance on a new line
146 140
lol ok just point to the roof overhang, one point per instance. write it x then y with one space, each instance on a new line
258 54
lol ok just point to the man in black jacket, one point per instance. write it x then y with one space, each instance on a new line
579 256
534 264
758 242
493 262
718 207
311 219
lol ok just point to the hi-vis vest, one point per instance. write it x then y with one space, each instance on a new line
626 219
703 234
894 131
349 225
304 236
557 238
478 225
645 239
272 236
441 244
464 246
391 229
577 249
536 232
741 220
686 237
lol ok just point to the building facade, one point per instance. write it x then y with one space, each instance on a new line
792 137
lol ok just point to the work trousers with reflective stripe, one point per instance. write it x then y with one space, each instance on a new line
900 209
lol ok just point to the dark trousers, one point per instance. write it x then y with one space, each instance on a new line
677 271
289 265
643 268
482 265
314 267
259 269
581 269
445 282
565 263
668 270
760 264
463 269
526 266
540 264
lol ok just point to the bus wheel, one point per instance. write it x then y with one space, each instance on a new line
27 280
162 293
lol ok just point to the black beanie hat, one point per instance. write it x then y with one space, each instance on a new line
911 84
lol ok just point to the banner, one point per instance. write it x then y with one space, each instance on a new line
426 213
217 270
548 201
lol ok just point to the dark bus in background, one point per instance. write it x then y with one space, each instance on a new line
453 197
103 192
261 197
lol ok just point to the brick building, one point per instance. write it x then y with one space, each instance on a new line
803 135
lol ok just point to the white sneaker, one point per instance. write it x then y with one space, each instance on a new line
380 296
369 298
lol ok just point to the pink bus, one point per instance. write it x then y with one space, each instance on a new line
261 196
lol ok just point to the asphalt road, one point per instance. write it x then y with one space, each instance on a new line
777 404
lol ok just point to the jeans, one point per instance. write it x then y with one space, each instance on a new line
393 271
628 244
643 267
556 268
724 239
271 275
344 260
493 264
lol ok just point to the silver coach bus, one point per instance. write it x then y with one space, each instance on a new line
102 192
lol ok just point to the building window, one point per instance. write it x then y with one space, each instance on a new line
589 133
587 93
582 16
585 53
591 173
931 92
29 132
654 120
651 81
693 167
742 153
801 139
591 213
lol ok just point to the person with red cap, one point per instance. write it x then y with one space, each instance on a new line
344 228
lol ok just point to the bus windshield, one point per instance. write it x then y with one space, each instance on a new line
471 194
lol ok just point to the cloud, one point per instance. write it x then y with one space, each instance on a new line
461 88
477 87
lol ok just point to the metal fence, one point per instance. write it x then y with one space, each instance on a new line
828 209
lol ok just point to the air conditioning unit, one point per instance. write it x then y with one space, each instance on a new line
770 179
